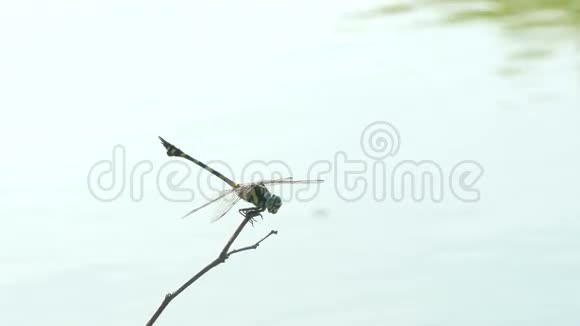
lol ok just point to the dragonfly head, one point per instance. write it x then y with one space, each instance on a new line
273 204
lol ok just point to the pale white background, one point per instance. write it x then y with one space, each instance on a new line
295 81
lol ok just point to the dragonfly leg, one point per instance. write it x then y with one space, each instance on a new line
251 212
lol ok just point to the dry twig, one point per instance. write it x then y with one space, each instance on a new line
224 254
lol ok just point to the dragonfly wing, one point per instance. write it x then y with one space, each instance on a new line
227 203
290 181
220 196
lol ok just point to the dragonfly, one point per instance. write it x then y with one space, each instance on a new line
255 193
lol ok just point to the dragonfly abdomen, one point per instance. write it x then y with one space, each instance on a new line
174 151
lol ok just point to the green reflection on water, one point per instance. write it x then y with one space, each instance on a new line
538 26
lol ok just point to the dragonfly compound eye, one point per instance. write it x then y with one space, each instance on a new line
273 204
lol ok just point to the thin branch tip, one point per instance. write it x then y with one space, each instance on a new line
221 258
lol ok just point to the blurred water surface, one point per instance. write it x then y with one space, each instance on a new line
534 29
295 81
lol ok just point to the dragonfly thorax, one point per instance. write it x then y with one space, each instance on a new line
261 197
